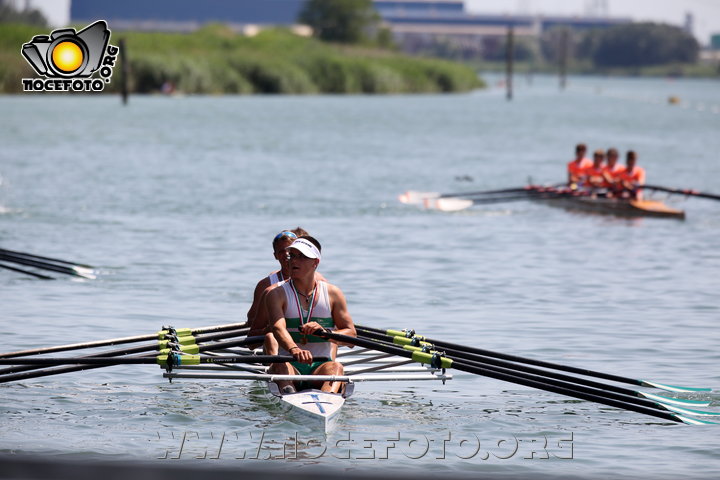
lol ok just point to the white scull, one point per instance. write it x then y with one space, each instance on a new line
313 407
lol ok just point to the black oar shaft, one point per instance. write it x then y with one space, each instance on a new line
564 390
119 341
551 378
526 188
681 191
202 347
45 372
513 378
26 272
113 353
484 192
474 357
37 373
78 346
149 360
529 361
41 265
39 257
511 198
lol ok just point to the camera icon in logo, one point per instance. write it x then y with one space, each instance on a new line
66 53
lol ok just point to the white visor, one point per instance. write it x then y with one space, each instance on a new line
306 247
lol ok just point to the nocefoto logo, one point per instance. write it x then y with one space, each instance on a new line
68 59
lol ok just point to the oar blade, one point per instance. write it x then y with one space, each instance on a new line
690 411
412 197
675 401
447 204
85 272
674 388
693 421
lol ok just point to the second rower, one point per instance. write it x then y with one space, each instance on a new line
301 306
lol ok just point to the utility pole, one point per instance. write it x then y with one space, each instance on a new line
509 58
123 71
563 54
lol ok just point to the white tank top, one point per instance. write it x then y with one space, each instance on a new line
321 313
276 277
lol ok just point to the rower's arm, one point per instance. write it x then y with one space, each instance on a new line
260 325
259 289
276 311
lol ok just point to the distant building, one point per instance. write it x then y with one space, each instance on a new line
715 41
414 23
187 15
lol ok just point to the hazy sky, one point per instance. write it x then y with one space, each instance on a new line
706 12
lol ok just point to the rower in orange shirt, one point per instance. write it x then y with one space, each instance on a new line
576 167
612 170
593 176
633 177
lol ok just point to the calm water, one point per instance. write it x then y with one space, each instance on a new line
176 201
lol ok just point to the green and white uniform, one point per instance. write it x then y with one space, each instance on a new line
295 316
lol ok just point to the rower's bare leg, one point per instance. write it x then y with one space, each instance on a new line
330 368
283 369
270 345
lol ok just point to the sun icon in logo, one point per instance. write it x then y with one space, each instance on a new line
67 56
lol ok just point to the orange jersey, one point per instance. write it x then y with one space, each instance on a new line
576 169
612 175
594 176
636 176
616 171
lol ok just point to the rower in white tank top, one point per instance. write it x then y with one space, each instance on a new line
319 312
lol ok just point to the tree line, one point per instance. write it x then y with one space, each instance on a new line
626 45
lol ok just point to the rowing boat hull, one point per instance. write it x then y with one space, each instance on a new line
616 206
316 408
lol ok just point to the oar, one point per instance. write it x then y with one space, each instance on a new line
76 271
569 389
415 197
558 379
75 368
26 272
38 257
184 343
165 359
682 191
122 340
538 363
454 204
